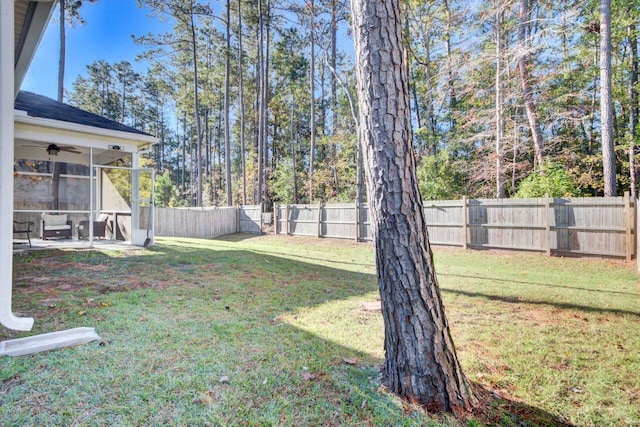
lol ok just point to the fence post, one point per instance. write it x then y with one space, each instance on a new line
357 221
465 222
319 219
547 220
627 223
286 219
238 218
275 219
260 213
637 219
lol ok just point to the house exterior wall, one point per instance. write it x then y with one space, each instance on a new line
32 191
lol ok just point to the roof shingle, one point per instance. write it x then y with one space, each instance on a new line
46 108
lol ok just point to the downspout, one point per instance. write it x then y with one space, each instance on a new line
7 98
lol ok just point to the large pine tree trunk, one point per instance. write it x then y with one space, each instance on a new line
420 362
606 109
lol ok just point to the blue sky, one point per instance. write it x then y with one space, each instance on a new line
106 35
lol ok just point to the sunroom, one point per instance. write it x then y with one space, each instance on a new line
81 170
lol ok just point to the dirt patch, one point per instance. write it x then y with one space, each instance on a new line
371 306
540 316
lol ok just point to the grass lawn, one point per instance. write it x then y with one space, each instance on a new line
273 331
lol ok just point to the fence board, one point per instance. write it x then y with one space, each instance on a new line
203 223
303 220
577 226
250 219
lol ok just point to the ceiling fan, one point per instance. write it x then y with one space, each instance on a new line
54 149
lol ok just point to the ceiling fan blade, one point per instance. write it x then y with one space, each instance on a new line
70 150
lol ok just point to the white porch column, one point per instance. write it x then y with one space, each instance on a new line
135 195
92 203
7 98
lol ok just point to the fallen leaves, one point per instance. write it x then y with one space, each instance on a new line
310 376
92 303
206 398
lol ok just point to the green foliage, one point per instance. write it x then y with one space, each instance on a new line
452 93
438 179
552 180
281 182
165 190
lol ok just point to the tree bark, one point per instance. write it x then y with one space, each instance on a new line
312 88
184 156
633 109
429 113
499 110
265 104
241 102
606 110
196 108
420 361
63 49
354 116
260 91
57 166
525 84
294 133
227 132
450 78
334 56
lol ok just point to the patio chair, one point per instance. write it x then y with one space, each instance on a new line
55 226
23 227
99 227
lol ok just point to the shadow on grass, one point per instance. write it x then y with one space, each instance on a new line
518 300
251 285
501 410
238 237
523 282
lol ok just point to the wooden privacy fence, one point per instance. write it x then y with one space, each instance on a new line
204 223
250 219
195 222
576 226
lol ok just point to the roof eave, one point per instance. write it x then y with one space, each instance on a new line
141 139
30 38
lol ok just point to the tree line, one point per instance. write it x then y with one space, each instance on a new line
507 99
